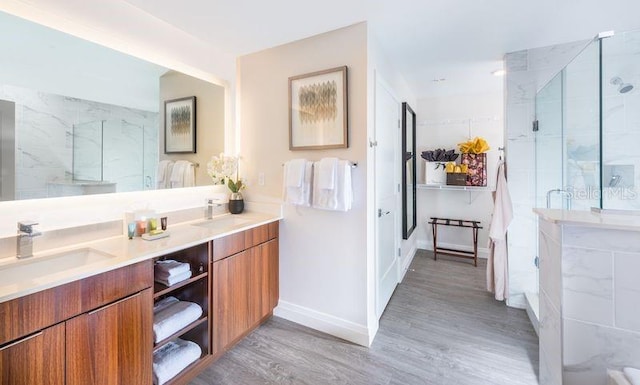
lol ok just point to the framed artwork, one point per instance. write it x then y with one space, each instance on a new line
180 125
318 110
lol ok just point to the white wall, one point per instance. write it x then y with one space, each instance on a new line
443 122
323 254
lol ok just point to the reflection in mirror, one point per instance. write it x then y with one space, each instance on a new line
78 118
409 212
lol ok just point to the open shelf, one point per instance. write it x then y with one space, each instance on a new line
182 331
178 379
159 289
450 187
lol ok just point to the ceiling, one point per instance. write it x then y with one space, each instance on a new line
461 41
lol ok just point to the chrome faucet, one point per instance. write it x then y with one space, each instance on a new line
24 241
210 204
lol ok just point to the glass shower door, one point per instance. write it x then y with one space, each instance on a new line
549 146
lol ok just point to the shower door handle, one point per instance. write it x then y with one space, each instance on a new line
565 193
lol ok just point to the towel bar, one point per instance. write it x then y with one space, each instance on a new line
353 164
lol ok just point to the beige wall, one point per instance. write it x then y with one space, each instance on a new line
323 254
210 119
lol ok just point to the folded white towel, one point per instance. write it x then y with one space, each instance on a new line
633 375
172 280
169 267
341 197
327 175
300 196
163 173
178 173
295 169
345 190
189 177
172 358
164 303
169 319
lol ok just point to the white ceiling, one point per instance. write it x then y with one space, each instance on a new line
460 40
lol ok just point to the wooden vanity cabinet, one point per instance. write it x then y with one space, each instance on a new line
97 330
35 359
245 283
112 344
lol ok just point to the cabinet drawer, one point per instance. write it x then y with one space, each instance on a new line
114 285
235 243
36 359
33 312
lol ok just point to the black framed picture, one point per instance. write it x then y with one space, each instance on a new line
180 125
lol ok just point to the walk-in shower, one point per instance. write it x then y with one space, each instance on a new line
587 131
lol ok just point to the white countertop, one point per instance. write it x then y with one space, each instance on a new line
123 251
591 219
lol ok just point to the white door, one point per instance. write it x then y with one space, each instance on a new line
387 115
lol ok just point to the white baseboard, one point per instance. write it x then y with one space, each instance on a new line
517 301
407 262
483 252
338 327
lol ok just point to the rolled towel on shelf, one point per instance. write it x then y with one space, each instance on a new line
170 267
173 279
172 358
172 317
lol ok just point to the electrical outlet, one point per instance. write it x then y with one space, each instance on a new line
261 179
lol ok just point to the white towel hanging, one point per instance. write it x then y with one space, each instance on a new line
300 195
340 197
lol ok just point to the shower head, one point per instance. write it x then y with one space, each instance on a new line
623 87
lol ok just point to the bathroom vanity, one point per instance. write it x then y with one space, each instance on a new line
589 316
93 324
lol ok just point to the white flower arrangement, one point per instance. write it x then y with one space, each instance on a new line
222 168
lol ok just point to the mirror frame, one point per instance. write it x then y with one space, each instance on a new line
408 155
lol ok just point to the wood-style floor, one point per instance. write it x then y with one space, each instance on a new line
440 327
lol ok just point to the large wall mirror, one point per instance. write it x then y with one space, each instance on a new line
409 211
79 118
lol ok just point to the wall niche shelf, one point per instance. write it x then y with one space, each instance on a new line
473 191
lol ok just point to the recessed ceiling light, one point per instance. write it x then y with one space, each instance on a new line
500 72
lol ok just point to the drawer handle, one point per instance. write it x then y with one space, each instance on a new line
21 341
113 304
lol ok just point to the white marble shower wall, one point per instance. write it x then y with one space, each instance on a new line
527 72
621 122
599 313
44 140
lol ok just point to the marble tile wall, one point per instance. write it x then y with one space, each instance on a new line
589 290
527 72
550 330
44 139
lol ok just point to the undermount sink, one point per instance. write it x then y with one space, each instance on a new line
35 268
227 221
